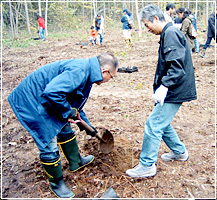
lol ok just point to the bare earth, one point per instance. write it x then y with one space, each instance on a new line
122 106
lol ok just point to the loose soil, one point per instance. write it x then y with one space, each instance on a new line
122 106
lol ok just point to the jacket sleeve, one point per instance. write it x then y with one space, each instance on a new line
123 19
185 26
211 22
56 91
174 53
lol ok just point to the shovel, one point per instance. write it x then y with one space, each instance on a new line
106 139
110 193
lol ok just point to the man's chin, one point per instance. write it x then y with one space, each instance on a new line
99 83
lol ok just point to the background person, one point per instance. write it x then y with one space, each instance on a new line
174 83
170 9
186 28
41 25
211 33
178 20
50 96
93 36
126 28
99 26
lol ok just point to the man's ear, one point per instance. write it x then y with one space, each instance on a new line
104 70
156 19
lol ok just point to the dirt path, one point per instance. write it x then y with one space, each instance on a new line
122 106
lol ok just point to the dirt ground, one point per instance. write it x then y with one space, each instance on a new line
122 106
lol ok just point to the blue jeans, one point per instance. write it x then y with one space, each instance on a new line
41 32
51 151
158 127
196 43
100 34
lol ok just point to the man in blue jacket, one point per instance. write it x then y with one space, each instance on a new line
47 99
174 83
211 33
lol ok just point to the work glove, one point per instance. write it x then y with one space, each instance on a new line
73 113
160 94
93 133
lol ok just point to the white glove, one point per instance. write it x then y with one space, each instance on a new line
160 94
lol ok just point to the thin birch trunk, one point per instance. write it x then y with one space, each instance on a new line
39 7
138 19
46 9
27 17
11 21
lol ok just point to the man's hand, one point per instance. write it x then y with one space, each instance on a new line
160 94
74 113
93 133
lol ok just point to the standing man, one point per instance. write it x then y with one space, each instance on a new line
41 25
99 26
170 9
47 99
211 33
174 83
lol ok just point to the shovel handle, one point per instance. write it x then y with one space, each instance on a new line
89 128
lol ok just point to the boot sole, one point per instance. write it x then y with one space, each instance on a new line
175 159
83 165
59 196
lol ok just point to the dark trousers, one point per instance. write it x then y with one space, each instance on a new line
208 41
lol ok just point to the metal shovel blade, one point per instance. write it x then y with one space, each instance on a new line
110 193
106 145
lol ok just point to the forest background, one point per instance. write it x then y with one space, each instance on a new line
19 18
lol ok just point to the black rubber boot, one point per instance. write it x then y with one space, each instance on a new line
72 155
53 169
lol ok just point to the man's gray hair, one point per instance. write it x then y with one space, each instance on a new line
108 59
150 11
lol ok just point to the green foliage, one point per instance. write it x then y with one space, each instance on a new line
20 43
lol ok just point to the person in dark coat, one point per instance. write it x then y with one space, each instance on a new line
211 33
46 101
174 83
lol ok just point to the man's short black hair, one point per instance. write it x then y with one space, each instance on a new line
170 5
180 10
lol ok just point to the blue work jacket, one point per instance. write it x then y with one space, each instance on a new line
43 101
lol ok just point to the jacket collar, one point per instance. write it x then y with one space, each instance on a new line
95 70
165 28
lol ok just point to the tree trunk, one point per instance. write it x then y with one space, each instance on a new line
39 7
11 21
94 8
138 19
104 15
207 12
114 10
196 8
27 17
46 8
16 17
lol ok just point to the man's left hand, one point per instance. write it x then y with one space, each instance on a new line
160 94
